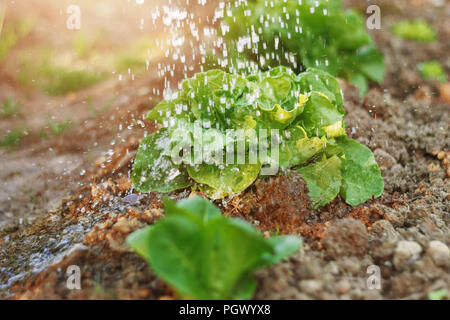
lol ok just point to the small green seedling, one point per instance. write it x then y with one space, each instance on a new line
10 108
83 44
54 127
12 139
94 111
438 294
63 81
12 33
417 30
432 70
55 79
57 128
134 64
205 255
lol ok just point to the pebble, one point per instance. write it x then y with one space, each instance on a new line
384 229
132 198
122 225
343 287
332 268
351 265
311 286
346 237
405 251
439 252
384 159
444 91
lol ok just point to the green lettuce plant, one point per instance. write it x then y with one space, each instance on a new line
417 30
300 34
205 255
440 294
432 70
305 111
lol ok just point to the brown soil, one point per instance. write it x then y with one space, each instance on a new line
67 200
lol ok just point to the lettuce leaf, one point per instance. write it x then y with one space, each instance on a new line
216 111
323 180
318 114
361 176
205 255
221 182
302 34
153 168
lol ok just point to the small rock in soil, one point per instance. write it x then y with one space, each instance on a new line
423 94
384 159
346 237
444 91
385 230
440 253
405 251
350 265
311 286
343 287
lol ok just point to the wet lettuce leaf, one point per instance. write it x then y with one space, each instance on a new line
318 114
219 181
153 167
361 176
301 34
215 111
205 255
323 180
